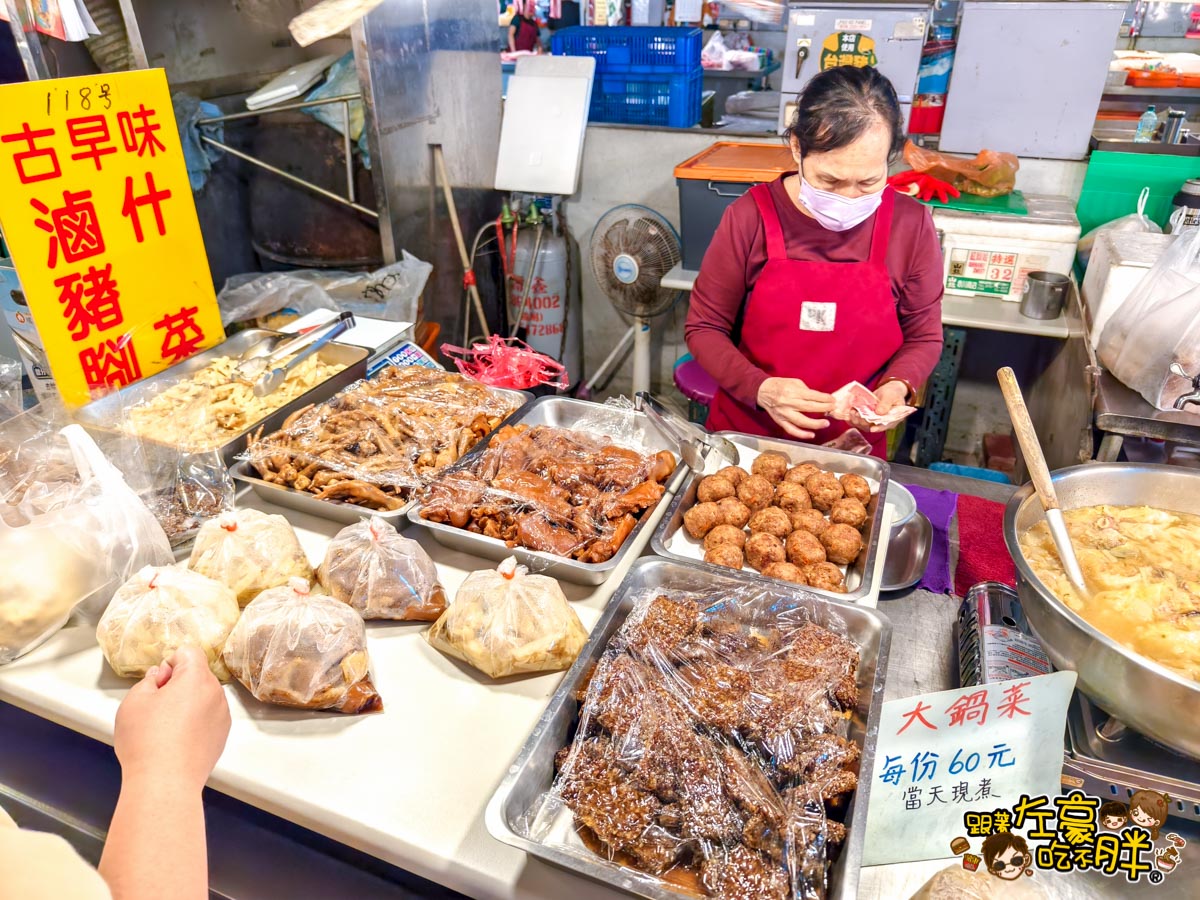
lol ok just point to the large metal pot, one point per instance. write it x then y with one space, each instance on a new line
1144 695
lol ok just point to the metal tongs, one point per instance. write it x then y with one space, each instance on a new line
699 450
266 374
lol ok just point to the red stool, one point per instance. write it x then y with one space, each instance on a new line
698 386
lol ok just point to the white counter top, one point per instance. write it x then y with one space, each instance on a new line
408 786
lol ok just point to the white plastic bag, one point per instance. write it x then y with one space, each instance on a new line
388 293
249 552
505 622
1134 222
381 573
1152 342
161 609
69 544
293 648
713 54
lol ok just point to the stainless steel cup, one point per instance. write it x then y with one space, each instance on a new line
1044 295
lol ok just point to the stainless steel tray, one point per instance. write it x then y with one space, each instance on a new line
336 510
561 412
532 774
105 414
860 576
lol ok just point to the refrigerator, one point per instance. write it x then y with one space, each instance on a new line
888 36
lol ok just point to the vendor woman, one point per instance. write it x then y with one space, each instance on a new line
822 277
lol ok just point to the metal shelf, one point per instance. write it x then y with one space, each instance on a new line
1125 92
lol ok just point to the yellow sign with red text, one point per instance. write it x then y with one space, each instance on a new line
97 211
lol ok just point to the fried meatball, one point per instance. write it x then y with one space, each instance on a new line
857 487
842 544
791 497
763 549
848 511
824 490
804 549
735 474
702 518
756 492
734 512
771 520
714 488
728 555
771 466
785 571
825 576
801 473
725 534
810 520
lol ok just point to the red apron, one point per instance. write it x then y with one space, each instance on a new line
823 322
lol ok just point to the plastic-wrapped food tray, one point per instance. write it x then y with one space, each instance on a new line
532 773
670 539
560 412
105 414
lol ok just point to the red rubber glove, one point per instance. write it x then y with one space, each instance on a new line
923 187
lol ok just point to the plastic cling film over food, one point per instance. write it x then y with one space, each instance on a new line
571 493
382 574
381 438
294 648
505 621
712 747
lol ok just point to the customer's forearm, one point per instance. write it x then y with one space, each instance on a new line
156 843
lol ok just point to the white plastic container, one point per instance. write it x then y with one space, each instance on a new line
989 255
1119 261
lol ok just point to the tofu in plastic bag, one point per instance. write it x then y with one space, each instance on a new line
249 551
505 621
382 574
309 651
159 610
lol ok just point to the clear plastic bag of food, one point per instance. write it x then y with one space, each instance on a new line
67 543
989 174
380 439
713 739
381 573
573 493
294 648
505 621
249 551
1134 223
161 609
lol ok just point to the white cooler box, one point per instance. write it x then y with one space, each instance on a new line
989 255
1119 261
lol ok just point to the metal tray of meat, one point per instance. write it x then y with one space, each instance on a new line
337 510
630 426
670 537
532 773
105 414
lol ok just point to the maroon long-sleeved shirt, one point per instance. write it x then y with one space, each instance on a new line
738 253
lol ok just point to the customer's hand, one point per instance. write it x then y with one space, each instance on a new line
174 722
795 406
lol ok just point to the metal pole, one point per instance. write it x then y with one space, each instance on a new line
349 151
281 107
137 49
290 177
29 45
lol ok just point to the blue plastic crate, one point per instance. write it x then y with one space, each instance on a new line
632 49
643 99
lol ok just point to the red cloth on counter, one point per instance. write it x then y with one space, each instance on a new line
738 253
982 553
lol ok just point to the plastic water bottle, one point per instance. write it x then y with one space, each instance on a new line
1146 125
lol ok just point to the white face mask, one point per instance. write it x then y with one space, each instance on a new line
835 212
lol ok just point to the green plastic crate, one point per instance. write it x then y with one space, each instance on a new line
1115 180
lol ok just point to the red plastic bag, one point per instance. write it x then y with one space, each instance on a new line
507 363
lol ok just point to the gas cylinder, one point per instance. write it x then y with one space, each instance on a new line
552 320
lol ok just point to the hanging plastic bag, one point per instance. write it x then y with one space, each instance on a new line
381 573
989 174
68 543
1137 222
506 622
1152 341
